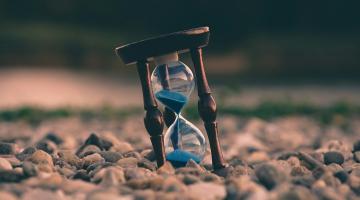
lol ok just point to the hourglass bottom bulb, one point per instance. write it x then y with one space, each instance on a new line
179 158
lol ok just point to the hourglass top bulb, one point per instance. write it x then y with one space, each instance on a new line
172 82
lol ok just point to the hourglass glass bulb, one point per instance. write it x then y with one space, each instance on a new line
173 83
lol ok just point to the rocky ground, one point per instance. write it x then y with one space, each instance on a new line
92 159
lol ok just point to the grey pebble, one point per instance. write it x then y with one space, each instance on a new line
27 152
7 148
269 176
110 156
54 138
333 157
145 163
47 146
357 156
29 169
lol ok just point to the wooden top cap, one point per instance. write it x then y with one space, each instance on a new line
174 42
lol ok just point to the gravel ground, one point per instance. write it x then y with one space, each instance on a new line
285 158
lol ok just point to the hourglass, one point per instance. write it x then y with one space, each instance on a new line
171 84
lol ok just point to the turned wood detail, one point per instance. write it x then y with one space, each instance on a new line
153 120
207 109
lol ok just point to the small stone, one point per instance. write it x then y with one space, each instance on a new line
122 147
13 161
47 146
110 156
54 138
41 157
76 186
341 175
189 179
88 150
138 173
127 162
70 158
93 139
333 167
133 154
172 184
357 156
43 161
91 159
257 157
154 183
299 171
187 170
293 161
209 177
145 163
10 176
333 157
356 146
7 196
144 195
29 169
354 183
148 154
207 190
5 164
81 175
243 186
269 176
112 176
167 168
298 193
40 194
7 148
192 164
27 152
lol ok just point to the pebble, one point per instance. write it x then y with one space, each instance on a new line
133 154
111 176
356 146
192 164
93 139
7 196
172 184
129 162
92 159
145 163
81 175
70 158
27 152
43 161
342 175
269 175
110 156
88 150
207 190
29 169
257 157
7 148
189 179
122 147
54 138
138 173
148 154
10 176
300 171
5 164
47 146
166 168
357 156
187 170
333 157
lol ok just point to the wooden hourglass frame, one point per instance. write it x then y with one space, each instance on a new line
141 53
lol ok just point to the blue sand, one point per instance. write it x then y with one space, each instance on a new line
173 100
179 158
174 137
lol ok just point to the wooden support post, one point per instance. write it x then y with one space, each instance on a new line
153 120
207 109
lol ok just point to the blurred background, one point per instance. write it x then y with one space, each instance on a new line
61 53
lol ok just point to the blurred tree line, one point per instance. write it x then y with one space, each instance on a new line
285 37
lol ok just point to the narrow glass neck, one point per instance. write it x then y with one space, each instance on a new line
160 60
